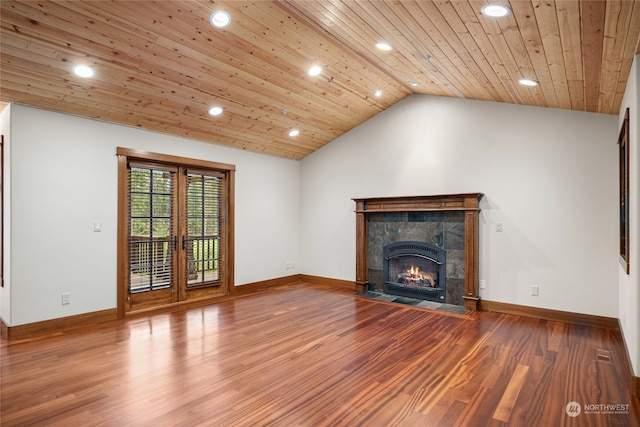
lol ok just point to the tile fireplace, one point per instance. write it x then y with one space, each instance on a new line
443 230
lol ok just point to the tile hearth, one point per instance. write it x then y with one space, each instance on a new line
449 308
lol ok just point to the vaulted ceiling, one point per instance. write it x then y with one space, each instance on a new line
160 65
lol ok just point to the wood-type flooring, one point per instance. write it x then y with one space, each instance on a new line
311 355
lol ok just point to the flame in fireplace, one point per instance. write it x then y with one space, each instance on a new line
414 276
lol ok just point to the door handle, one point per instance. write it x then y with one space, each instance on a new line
175 243
184 243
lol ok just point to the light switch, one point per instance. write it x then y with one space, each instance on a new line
97 226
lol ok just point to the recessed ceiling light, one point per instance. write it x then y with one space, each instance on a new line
220 19
495 10
377 93
215 111
528 82
83 71
384 46
315 70
294 132
414 83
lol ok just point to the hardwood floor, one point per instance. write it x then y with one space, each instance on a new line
311 355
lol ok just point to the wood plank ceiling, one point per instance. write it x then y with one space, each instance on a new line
160 65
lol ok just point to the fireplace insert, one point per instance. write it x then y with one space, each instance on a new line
415 270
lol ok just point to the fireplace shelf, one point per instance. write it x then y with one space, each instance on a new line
468 203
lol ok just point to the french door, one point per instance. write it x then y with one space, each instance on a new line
174 243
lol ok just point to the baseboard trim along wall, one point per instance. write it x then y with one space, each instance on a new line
52 326
635 381
4 330
348 284
548 314
36 329
265 284
58 325
45 327
635 385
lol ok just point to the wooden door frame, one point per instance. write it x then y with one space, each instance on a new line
125 155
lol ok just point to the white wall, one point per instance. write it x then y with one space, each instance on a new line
64 177
629 284
5 292
549 176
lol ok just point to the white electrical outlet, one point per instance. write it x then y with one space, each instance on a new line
499 227
534 291
483 284
66 298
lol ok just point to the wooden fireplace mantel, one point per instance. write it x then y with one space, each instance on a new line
469 203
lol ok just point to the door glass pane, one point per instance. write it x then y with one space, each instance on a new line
161 228
151 228
203 230
161 206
